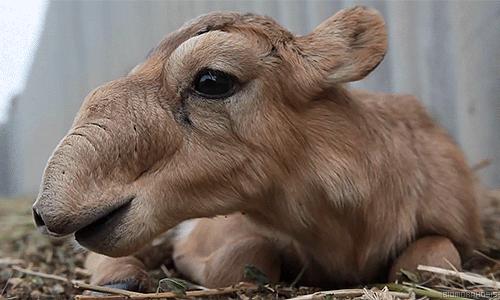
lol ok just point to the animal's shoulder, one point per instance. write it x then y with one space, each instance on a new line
402 107
404 102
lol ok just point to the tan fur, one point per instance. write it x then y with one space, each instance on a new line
338 181
106 270
429 251
219 259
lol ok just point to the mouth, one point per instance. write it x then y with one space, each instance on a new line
103 224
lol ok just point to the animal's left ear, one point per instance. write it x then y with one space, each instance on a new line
347 46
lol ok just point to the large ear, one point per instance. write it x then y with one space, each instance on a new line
347 46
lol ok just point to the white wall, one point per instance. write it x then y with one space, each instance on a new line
447 53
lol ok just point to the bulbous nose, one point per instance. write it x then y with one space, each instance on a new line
41 225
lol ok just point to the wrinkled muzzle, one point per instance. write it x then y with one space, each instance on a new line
90 184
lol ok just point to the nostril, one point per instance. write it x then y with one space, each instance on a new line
47 224
38 219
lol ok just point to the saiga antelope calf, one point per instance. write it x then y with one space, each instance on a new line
234 116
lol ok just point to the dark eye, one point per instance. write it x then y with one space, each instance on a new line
214 84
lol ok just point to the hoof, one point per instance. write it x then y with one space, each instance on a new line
132 285
129 285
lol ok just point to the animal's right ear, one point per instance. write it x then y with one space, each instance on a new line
346 47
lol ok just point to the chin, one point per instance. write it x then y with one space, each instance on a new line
115 235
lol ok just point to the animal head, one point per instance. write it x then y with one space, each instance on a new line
211 123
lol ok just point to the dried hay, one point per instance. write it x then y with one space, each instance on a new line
32 267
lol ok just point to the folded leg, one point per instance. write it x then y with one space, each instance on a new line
214 252
129 272
434 251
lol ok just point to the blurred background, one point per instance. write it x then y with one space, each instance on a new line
52 53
